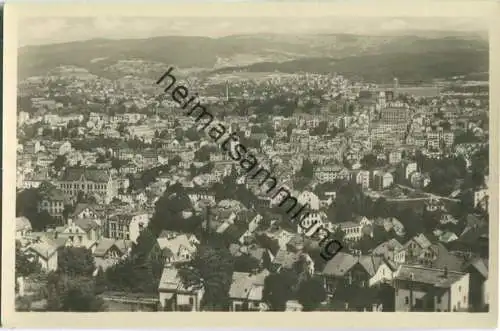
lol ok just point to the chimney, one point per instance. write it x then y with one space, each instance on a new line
445 272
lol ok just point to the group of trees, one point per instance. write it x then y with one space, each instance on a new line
27 206
169 210
141 271
73 286
290 284
212 267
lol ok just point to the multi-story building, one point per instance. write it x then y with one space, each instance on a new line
427 289
126 225
394 115
363 178
330 173
52 201
95 182
382 180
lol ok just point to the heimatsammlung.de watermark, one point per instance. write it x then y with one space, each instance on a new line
247 161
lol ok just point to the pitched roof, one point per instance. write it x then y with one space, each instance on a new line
44 248
370 263
340 264
248 286
480 265
22 223
93 175
86 224
82 206
170 281
430 276
384 248
103 246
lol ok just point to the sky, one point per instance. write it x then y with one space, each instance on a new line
46 30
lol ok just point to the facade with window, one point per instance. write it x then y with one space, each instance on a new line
174 295
428 289
93 182
52 202
126 226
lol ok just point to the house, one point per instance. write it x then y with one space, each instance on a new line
45 252
416 245
177 247
109 252
384 273
85 210
420 288
246 291
23 227
346 270
479 287
174 295
81 232
391 250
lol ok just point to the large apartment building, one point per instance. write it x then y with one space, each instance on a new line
96 182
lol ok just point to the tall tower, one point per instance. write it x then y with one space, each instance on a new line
396 86
227 90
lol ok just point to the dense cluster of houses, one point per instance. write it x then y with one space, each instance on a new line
423 274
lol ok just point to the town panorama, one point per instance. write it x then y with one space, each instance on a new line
123 204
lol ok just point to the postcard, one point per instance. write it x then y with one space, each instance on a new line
273 164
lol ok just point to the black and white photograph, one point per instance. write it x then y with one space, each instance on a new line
252 164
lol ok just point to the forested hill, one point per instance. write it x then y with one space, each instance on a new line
351 54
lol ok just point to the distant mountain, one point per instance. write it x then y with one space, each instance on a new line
408 67
318 53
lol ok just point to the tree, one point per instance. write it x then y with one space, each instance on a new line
175 160
59 162
246 263
168 210
311 293
72 293
211 267
76 261
278 289
24 265
307 169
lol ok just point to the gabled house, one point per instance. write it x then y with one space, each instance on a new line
109 252
391 250
23 227
177 247
416 245
45 252
82 232
422 289
346 270
246 291
174 295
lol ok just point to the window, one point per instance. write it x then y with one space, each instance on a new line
191 301
460 289
407 300
438 299
465 299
